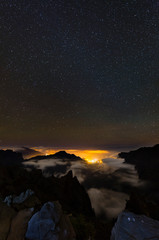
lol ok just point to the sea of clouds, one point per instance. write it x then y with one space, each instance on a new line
108 184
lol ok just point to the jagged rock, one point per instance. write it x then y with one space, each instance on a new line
8 200
130 226
6 216
41 226
23 196
18 199
67 189
30 202
19 224
75 194
49 224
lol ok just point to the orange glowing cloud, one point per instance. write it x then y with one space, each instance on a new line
91 156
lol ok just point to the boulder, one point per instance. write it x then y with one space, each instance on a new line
42 225
19 224
6 216
130 226
50 224
18 199
39 228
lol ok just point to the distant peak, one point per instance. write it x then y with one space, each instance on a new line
61 155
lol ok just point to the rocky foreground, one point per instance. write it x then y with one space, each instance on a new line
130 226
48 223
25 195
33 207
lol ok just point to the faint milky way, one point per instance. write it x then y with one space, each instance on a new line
79 73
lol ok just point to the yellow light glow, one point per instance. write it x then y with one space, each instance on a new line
93 161
91 156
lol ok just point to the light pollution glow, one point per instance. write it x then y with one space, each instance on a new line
90 156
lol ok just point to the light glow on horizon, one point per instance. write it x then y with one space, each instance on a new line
91 156
93 161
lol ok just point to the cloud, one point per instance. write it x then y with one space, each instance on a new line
107 184
107 202
56 167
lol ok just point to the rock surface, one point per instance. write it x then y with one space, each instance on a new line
6 216
42 226
49 224
19 224
18 199
130 226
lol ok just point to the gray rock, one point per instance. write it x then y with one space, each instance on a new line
130 226
50 224
42 225
18 199
23 196
8 200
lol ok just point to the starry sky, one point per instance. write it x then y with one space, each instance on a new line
79 73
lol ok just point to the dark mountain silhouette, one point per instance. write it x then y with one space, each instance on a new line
146 161
61 155
8 157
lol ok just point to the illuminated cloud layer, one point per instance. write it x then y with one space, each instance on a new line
108 181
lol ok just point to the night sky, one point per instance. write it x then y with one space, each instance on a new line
79 73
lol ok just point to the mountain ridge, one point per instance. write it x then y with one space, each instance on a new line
59 154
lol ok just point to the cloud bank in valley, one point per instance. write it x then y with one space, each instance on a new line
107 202
108 184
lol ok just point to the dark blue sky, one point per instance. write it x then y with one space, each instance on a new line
79 73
